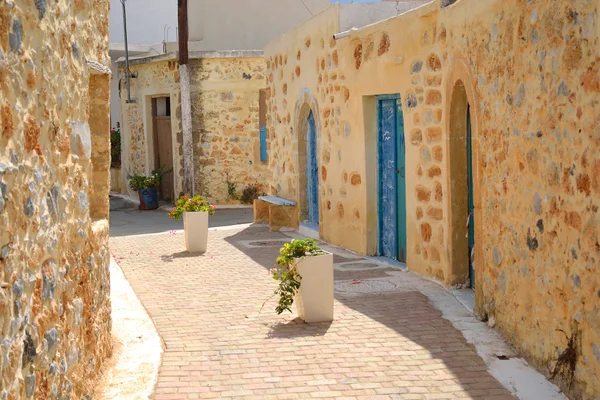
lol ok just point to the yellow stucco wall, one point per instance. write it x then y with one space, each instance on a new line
55 312
530 75
225 120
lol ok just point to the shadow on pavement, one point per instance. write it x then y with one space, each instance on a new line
182 254
298 328
424 345
127 220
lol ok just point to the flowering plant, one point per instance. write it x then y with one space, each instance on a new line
286 272
251 193
115 146
191 204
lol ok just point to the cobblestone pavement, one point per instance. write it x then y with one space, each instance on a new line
387 340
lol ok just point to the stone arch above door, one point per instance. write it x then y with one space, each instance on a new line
305 105
462 96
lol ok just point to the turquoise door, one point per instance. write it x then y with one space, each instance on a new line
392 186
312 171
471 202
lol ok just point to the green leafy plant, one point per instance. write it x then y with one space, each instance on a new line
286 272
232 190
115 146
251 193
140 182
191 204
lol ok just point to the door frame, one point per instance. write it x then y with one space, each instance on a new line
460 88
471 199
306 103
400 156
149 137
311 139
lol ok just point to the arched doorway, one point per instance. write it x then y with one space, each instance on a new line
462 200
312 171
307 128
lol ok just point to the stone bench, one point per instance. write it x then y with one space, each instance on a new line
276 212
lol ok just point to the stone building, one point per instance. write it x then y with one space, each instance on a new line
54 182
226 81
459 137
225 92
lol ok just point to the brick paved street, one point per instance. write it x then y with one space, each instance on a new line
387 339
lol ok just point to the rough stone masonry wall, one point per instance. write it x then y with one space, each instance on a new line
225 120
301 76
531 74
155 78
54 142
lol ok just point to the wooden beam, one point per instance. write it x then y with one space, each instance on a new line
183 31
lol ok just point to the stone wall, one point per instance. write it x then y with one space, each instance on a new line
225 119
54 162
159 77
529 71
305 75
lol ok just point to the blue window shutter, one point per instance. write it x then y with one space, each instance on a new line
263 143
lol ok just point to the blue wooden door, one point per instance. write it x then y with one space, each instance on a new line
470 199
312 171
392 187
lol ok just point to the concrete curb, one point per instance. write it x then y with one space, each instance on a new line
132 371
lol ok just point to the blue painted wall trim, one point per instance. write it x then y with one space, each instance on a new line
263 144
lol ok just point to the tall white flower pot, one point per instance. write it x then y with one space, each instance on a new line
314 300
195 225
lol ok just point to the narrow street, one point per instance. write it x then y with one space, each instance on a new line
388 340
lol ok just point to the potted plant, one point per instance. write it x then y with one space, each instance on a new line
195 211
305 275
147 187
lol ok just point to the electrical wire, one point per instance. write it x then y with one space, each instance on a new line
305 6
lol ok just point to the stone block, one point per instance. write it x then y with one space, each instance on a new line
283 216
261 212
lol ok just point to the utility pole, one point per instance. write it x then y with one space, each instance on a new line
186 102
127 72
183 31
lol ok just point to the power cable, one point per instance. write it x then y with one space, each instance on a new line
307 9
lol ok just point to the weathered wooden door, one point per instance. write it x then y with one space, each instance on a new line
312 171
471 200
392 185
163 154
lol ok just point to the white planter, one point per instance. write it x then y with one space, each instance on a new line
314 300
195 225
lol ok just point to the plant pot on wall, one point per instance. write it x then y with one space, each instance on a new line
314 299
195 225
148 198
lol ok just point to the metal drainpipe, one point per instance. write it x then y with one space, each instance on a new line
127 72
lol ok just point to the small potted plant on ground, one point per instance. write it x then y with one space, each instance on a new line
147 187
195 211
305 275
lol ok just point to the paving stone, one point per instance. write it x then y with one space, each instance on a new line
221 344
